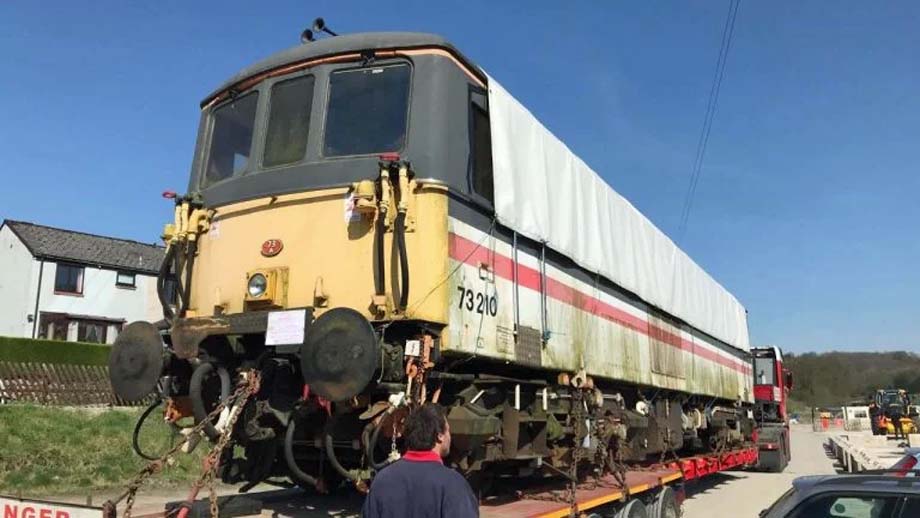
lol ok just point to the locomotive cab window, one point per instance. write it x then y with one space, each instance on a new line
231 138
368 110
481 147
288 121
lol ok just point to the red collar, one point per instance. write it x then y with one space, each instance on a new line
422 456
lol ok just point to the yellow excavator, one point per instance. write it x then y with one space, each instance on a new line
891 405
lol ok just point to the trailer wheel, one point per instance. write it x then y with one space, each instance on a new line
665 505
774 461
633 509
783 454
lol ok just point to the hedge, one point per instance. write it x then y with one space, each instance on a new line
13 349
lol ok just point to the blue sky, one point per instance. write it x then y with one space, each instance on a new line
807 208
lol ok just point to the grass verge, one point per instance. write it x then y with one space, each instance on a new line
14 349
54 451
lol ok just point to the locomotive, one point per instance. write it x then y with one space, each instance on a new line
373 223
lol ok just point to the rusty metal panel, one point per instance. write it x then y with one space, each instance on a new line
528 346
666 354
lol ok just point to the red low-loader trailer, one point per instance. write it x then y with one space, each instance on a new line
648 491
656 491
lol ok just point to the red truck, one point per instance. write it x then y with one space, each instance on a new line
772 384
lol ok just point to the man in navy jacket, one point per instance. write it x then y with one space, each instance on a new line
419 485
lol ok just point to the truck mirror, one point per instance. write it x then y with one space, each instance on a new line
788 379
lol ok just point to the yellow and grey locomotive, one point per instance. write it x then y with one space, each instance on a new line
372 223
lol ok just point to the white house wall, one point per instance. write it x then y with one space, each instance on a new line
154 309
17 294
101 297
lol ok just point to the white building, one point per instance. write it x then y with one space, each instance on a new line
67 285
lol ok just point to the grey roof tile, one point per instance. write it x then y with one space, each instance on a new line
67 245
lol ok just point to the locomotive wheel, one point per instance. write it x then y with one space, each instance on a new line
203 394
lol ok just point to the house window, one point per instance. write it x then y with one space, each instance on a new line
68 279
92 332
125 280
63 326
53 326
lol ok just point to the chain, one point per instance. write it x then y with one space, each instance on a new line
579 414
242 393
394 452
213 459
619 469
668 448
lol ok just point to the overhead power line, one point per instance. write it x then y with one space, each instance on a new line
728 31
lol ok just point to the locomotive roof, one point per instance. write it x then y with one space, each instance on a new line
344 44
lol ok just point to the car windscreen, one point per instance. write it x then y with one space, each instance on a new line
231 138
367 111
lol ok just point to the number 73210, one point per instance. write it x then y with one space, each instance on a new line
476 301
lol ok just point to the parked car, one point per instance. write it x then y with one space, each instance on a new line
909 463
882 494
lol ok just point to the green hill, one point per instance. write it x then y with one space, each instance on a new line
836 378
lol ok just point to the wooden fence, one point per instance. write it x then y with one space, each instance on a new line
57 384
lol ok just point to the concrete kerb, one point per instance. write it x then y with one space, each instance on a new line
854 457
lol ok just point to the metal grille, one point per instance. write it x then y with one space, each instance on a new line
665 344
528 346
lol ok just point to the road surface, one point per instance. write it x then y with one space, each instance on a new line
739 494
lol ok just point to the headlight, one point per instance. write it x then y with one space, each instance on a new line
257 285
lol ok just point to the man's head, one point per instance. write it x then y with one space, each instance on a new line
426 429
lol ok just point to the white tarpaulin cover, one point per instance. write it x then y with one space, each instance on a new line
546 193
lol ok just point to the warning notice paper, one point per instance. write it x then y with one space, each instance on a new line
285 327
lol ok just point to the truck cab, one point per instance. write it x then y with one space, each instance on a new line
772 384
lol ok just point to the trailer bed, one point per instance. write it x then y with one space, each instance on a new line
553 501
544 500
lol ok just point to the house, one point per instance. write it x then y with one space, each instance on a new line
67 285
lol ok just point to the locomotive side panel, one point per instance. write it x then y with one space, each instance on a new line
585 326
